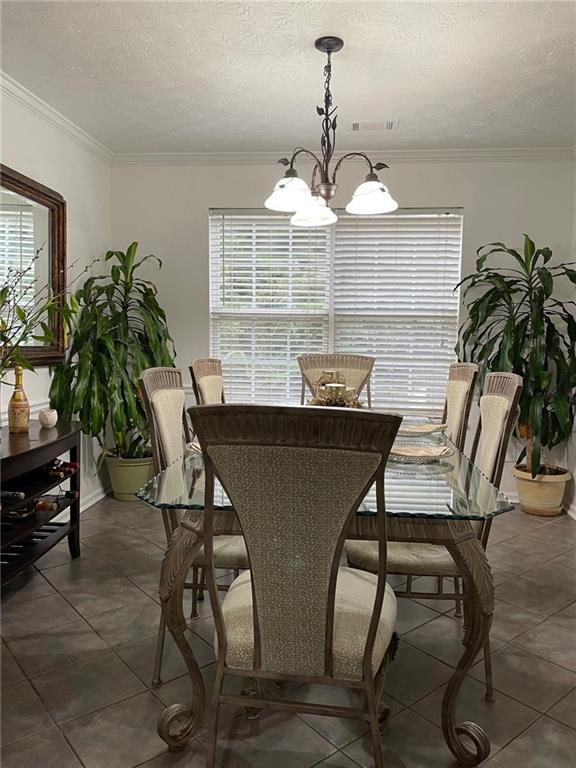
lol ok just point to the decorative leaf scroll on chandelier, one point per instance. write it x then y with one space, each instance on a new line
311 207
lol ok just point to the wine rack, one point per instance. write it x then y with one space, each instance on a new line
26 459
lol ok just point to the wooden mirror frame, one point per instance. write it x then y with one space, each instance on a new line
47 354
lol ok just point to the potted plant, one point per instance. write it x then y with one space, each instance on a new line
116 329
517 322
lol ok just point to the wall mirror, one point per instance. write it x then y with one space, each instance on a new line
33 238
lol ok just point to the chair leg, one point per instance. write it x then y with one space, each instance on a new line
156 679
212 736
458 591
489 696
194 609
213 721
374 727
202 581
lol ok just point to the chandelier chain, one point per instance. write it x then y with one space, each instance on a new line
328 77
328 139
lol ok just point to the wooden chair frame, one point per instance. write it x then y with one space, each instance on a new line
507 385
204 366
314 428
152 380
467 372
335 361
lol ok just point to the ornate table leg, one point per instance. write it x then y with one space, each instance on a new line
479 588
179 722
464 546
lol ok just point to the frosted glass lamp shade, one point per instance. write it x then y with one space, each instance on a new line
314 214
290 194
371 197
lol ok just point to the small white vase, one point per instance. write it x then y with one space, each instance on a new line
48 417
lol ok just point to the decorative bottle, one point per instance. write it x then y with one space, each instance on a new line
18 407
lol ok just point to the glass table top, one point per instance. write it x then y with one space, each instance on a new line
449 488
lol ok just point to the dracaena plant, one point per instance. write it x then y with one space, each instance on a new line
517 322
116 330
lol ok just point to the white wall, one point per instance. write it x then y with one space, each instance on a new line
37 148
166 208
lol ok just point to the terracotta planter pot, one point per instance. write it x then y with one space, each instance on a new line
128 475
543 494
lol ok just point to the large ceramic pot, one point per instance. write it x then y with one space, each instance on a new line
543 494
128 475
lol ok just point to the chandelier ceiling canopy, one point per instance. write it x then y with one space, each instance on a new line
311 205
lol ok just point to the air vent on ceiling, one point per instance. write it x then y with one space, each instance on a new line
374 125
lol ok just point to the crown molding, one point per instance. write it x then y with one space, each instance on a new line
16 92
13 90
394 156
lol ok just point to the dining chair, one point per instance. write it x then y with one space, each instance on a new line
459 395
356 370
295 479
163 399
207 380
498 415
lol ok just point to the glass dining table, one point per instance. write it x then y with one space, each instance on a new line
440 502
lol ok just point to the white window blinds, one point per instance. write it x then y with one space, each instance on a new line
17 246
381 285
269 301
394 277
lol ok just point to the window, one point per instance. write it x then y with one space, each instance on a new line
269 302
381 285
17 246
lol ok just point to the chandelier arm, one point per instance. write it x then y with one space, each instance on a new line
302 150
353 154
313 180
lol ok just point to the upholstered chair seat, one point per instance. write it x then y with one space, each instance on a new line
355 591
229 552
405 558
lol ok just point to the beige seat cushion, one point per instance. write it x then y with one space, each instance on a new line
229 552
404 558
355 591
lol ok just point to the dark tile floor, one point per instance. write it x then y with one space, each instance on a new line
78 642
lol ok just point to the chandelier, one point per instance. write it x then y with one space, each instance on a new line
311 205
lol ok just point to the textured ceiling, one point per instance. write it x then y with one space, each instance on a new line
244 76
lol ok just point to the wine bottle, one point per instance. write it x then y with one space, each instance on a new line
18 407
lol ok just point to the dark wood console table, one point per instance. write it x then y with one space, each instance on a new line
24 456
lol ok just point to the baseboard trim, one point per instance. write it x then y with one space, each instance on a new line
89 499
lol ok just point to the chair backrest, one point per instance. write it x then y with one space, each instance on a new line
295 477
459 395
163 398
356 370
498 415
207 380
